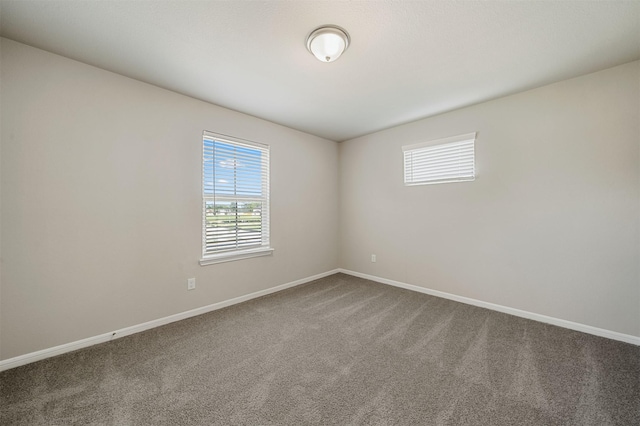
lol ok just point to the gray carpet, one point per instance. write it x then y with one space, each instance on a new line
340 350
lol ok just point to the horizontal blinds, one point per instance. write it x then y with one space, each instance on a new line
235 195
447 162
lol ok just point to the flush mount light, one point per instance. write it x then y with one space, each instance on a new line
328 42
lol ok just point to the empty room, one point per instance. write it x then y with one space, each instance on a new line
319 212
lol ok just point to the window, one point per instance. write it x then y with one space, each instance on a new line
235 199
440 161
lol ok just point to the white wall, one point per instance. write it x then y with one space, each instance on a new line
101 202
550 226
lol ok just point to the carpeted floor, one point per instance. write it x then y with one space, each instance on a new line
337 351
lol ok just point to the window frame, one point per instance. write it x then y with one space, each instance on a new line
264 249
421 148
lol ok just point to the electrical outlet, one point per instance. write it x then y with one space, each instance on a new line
191 284
373 258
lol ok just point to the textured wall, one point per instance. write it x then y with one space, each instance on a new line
551 224
101 202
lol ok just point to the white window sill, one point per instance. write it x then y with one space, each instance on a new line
236 255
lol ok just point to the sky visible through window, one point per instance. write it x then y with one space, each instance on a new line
235 178
231 169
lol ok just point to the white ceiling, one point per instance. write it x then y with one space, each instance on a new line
407 60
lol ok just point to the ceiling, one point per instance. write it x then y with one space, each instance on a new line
407 60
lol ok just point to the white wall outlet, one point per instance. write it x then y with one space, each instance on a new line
191 284
373 258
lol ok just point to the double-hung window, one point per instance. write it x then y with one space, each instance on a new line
235 199
440 161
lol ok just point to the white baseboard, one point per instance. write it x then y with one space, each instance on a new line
101 338
634 340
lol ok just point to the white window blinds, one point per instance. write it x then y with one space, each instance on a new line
444 160
235 192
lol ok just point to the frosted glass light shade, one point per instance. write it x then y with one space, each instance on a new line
328 43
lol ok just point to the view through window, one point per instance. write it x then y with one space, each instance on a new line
235 196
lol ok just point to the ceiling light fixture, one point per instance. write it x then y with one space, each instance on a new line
328 42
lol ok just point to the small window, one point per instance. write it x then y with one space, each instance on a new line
235 199
440 161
